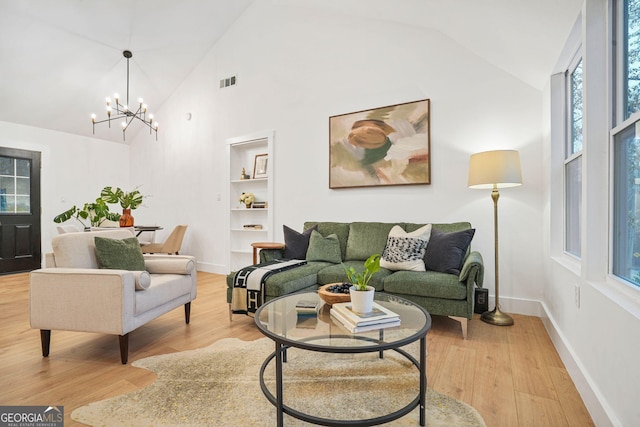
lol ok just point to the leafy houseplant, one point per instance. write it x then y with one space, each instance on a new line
128 200
361 293
361 280
96 213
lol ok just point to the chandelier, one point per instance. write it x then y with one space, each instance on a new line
123 111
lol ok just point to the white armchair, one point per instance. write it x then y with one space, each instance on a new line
72 293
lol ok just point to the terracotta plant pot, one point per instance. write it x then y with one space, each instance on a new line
126 220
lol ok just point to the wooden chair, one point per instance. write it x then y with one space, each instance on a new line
170 246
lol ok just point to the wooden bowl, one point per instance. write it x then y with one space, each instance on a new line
330 297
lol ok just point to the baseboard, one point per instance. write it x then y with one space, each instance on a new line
590 396
528 307
212 268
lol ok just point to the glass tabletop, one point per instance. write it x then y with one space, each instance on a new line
279 320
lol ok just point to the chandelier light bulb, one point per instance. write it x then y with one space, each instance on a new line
116 97
144 108
108 100
150 118
124 125
140 101
155 125
93 118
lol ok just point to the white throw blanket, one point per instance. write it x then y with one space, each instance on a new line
248 284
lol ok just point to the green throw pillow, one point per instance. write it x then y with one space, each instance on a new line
119 254
324 248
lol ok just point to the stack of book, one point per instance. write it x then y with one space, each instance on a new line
380 317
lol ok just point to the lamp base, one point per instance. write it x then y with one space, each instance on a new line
496 317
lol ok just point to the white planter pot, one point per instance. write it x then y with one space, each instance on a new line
362 301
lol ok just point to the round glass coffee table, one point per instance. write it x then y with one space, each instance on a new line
278 320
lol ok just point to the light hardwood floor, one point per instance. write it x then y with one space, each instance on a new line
512 375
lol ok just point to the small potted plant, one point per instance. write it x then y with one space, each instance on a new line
247 199
361 293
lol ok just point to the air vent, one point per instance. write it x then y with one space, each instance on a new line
229 81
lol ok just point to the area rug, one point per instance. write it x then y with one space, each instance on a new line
218 386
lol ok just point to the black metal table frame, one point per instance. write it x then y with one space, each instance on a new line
280 356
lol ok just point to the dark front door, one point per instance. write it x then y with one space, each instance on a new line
19 210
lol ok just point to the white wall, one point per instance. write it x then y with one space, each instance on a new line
74 168
295 69
599 338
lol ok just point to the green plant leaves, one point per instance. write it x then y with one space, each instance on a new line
361 280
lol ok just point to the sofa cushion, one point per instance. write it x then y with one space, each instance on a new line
335 274
324 248
425 283
143 280
119 254
366 239
405 251
78 250
445 228
163 289
293 279
165 264
446 251
340 229
296 244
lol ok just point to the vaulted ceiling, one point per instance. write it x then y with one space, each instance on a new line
60 59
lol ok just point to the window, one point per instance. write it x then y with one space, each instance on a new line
15 185
626 202
625 150
573 159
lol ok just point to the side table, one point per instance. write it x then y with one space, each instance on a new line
264 245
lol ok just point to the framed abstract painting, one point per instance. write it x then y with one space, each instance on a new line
382 146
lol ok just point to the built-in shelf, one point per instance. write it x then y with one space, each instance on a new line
242 152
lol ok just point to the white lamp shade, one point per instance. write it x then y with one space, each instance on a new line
495 169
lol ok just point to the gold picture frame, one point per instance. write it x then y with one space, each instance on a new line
260 166
382 146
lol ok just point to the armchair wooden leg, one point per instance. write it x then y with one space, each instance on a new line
187 312
124 348
463 322
45 339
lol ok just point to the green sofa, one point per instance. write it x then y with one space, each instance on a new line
439 293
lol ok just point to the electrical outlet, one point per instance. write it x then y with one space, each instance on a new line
577 295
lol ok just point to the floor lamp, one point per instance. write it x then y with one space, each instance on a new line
494 170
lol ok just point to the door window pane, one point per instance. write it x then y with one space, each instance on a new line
23 167
6 166
7 185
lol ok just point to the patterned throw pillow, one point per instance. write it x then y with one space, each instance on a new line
405 251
